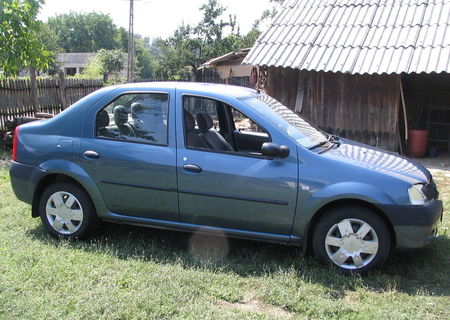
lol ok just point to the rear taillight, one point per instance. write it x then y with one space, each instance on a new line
15 142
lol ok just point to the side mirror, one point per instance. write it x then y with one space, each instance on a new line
271 149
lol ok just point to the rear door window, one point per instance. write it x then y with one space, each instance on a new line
135 117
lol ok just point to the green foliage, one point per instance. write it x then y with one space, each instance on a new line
84 32
267 14
121 39
91 32
107 62
190 46
145 61
19 43
250 38
175 58
93 70
50 43
112 61
48 38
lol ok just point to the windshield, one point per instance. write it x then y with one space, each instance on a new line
294 125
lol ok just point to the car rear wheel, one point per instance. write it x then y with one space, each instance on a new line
67 211
354 239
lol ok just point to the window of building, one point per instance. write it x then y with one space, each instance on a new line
70 71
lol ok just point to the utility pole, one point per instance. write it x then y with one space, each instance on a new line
130 64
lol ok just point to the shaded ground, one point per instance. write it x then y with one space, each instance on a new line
5 157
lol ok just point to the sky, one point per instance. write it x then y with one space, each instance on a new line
157 18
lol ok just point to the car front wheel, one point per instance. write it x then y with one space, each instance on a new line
354 239
67 211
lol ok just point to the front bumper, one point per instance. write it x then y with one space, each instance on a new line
414 226
24 179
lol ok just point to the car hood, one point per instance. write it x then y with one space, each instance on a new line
375 159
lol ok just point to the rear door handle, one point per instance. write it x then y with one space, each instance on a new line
91 154
192 168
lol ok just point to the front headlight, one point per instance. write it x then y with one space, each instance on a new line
416 196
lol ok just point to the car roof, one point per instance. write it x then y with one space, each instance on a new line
198 87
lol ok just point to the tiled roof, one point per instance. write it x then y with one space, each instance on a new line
358 36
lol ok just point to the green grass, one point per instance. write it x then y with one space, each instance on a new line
138 273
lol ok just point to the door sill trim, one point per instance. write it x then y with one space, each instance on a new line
208 230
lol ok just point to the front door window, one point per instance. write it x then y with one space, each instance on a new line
215 125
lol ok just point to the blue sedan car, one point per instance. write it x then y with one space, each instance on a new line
210 158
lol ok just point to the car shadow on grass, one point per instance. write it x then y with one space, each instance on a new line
425 271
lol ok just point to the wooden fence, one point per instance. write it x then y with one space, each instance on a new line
54 95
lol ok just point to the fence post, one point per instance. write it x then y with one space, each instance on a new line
62 90
34 89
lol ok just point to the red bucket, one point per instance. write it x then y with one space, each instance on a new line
418 142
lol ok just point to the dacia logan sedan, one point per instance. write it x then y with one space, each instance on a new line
216 158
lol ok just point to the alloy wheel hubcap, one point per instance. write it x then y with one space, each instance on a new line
351 244
64 212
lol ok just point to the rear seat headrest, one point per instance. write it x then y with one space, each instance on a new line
136 109
120 115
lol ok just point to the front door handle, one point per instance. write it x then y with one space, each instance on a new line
192 168
91 154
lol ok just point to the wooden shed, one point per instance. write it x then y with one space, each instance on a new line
362 69
227 68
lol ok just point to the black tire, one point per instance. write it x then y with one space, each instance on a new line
79 229
348 246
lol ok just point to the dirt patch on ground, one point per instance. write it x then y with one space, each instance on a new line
440 163
252 304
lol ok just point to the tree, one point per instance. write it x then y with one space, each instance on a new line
84 32
250 38
145 61
181 54
50 43
106 63
19 43
112 61
90 32
267 14
121 39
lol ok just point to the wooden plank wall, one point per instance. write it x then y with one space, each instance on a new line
15 96
364 108
210 75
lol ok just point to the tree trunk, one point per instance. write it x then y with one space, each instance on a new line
34 90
